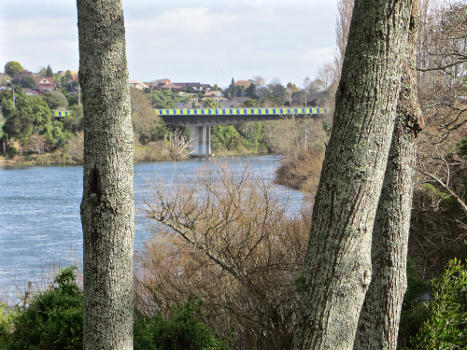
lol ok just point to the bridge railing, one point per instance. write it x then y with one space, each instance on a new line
242 111
61 114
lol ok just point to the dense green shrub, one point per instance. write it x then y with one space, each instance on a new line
52 319
414 311
446 327
225 138
6 324
182 330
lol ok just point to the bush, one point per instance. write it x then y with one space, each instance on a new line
414 311
446 327
6 324
182 330
56 99
53 319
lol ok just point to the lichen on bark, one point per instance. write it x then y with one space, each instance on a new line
337 268
107 207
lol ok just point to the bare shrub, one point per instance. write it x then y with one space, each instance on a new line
177 144
75 147
36 144
230 243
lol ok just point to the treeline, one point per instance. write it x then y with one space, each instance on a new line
29 130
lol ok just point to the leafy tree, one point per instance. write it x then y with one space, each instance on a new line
36 108
292 87
55 134
74 121
225 137
7 106
68 75
147 126
56 99
27 82
251 91
18 125
4 79
230 91
278 91
254 136
72 98
49 72
52 319
446 327
13 68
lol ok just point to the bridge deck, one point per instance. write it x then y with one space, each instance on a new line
216 116
242 111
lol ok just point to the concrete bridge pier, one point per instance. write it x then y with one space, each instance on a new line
200 140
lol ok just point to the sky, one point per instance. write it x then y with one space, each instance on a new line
208 41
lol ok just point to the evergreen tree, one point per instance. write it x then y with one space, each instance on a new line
49 72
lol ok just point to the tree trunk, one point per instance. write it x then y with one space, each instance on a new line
107 208
379 320
337 268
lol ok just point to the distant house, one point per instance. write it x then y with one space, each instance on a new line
158 84
191 86
138 85
213 93
44 84
30 92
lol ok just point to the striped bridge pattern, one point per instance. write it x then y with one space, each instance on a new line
270 111
61 114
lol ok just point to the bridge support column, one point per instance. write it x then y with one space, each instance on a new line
200 141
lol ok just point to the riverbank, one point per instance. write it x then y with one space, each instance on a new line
142 155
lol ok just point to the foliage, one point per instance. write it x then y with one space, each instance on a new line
18 125
32 116
56 99
251 91
181 330
147 126
225 138
414 311
7 316
49 72
13 68
52 319
446 327
74 121
27 82
166 99
254 138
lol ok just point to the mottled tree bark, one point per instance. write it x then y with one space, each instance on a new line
107 208
337 268
379 320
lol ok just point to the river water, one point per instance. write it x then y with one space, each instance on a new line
40 228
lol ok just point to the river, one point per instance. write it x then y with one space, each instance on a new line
40 228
